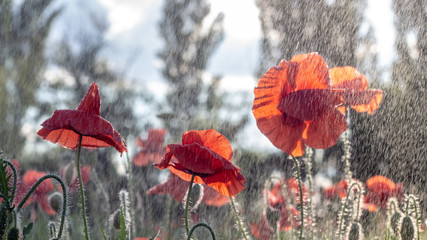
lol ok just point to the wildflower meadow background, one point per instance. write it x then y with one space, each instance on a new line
317 140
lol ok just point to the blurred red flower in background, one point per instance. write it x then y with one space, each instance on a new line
151 149
206 154
294 105
177 189
380 189
66 126
338 190
262 230
40 194
69 174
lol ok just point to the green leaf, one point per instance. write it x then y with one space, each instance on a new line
27 229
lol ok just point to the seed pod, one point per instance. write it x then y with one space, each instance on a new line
355 232
116 220
55 200
407 229
13 234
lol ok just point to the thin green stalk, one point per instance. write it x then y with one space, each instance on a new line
130 180
201 225
82 194
64 198
239 222
301 196
345 206
187 203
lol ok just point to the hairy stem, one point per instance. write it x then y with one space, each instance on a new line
187 203
82 194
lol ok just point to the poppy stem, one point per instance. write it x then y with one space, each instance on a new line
201 225
239 222
82 194
297 166
187 202
64 199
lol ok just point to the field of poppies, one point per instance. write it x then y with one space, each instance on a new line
300 105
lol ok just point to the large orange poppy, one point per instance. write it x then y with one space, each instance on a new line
357 94
380 189
41 193
206 154
66 126
295 106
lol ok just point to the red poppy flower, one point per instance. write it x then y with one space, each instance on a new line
41 193
206 154
357 95
177 189
262 230
66 126
380 190
338 190
294 105
152 149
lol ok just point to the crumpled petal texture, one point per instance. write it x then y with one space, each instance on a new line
66 126
196 155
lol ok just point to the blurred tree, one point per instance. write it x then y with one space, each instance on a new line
186 52
23 32
395 137
330 28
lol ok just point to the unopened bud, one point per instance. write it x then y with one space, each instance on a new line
55 200
116 219
407 230
13 234
273 216
355 232
394 222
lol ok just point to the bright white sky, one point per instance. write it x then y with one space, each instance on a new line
133 40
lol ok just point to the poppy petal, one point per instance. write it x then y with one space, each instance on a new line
174 186
364 101
286 137
228 183
309 104
308 71
348 78
213 198
210 139
324 131
65 126
91 103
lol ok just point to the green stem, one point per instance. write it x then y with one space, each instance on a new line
64 198
201 225
345 206
187 203
239 222
301 196
82 194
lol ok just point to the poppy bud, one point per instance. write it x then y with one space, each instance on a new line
116 219
407 229
13 234
355 232
55 200
70 172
